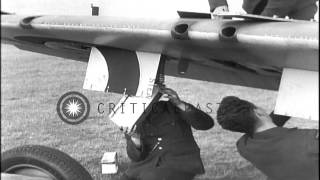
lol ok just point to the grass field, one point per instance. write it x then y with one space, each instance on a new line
31 85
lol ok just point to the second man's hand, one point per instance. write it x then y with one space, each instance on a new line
131 133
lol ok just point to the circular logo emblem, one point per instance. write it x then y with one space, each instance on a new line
73 107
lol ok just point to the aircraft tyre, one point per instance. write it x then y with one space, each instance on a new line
36 160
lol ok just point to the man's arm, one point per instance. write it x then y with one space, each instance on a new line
135 148
135 153
217 3
196 118
304 10
279 8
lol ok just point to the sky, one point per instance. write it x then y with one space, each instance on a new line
123 8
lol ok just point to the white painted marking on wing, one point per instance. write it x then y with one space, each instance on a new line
148 63
97 75
299 94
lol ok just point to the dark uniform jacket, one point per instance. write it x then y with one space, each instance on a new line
167 140
283 153
297 9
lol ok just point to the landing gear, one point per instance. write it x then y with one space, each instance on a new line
34 161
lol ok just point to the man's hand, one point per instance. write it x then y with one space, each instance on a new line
171 95
173 98
220 9
135 137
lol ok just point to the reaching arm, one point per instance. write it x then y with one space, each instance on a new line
135 154
196 118
135 148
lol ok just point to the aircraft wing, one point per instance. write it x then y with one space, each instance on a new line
248 52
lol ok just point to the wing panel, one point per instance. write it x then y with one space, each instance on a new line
299 94
265 45
97 75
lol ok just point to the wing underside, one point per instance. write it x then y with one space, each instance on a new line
239 52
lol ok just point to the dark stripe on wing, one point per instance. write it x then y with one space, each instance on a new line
124 71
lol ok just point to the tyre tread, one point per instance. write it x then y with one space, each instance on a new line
60 161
